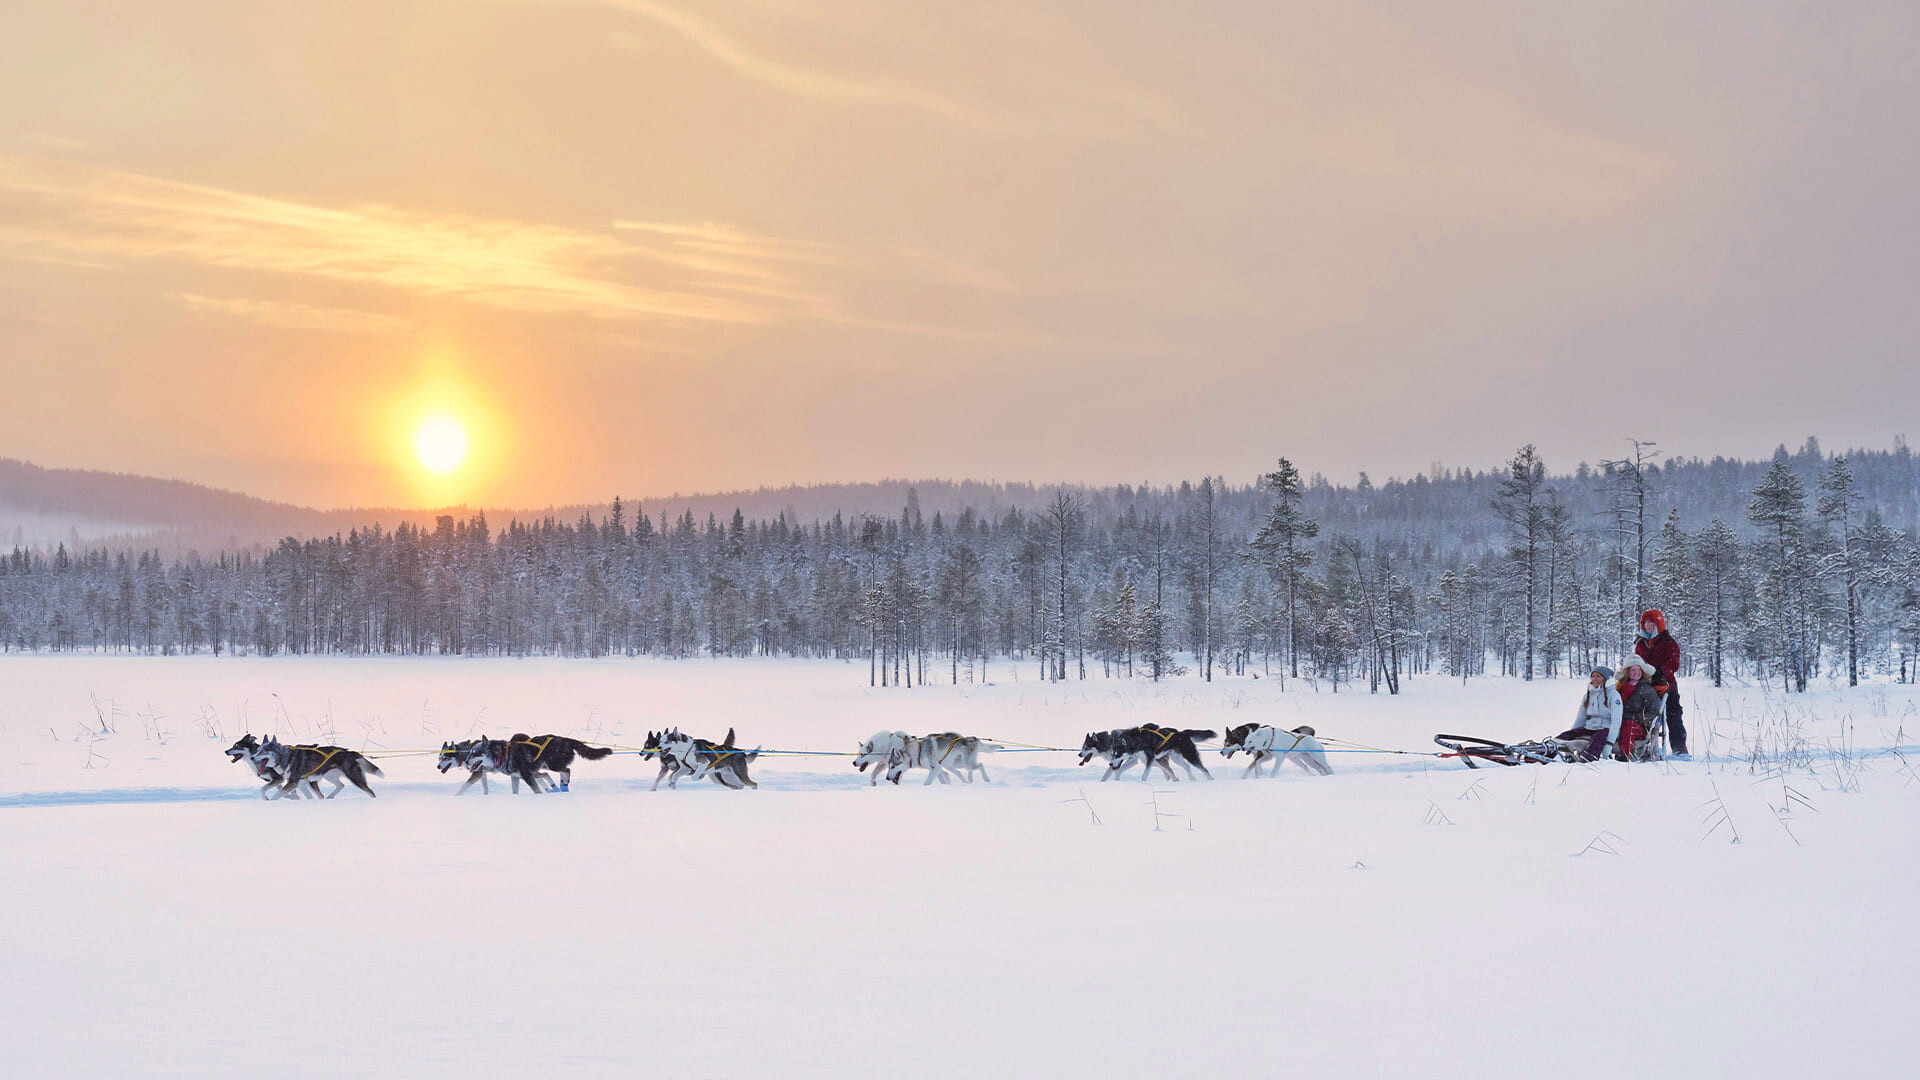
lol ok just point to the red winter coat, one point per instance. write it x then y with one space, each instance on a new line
1659 650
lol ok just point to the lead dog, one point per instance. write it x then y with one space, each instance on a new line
1263 742
940 754
307 764
1150 744
248 747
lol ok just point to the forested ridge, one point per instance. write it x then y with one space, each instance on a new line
1785 569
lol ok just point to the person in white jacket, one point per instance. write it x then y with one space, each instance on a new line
1597 721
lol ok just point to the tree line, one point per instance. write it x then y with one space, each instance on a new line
1786 570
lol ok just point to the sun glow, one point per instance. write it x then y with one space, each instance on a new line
441 444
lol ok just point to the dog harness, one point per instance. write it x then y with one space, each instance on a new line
542 744
323 761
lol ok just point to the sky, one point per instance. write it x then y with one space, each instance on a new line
657 247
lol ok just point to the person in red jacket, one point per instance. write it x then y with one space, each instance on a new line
1658 648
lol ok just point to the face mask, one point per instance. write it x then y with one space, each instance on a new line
1649 633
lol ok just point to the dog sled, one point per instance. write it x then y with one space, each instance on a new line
1474 752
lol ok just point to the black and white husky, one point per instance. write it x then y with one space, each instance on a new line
1149 744
1263 742
521 757
305 764
474 756
940 754
683 755
247 747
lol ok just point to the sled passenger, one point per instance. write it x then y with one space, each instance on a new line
1662 654
1597 721
1639 703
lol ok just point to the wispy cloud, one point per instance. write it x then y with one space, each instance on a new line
294 316
65 210
811 82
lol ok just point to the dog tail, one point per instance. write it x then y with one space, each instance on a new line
986 747
752 755
592 753
367 764
1200 736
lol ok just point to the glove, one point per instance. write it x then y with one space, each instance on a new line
1606 753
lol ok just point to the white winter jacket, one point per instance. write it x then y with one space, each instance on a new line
1600 709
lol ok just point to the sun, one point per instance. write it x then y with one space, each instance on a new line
441 444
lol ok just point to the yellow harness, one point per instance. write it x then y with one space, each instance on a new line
542 744
323 761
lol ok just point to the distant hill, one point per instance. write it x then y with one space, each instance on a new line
42 507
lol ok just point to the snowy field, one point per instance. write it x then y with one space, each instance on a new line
1404 917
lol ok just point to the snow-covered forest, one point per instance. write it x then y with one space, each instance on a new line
1784 570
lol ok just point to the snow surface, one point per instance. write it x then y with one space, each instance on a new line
1404 917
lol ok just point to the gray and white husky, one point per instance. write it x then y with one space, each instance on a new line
1263 742
247 747
308 764
940 754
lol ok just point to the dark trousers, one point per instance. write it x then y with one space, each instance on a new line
1676 731
1596 740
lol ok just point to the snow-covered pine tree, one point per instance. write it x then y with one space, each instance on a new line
1521 506
1671 585
1283 546
1716 571
1839 498
1779 510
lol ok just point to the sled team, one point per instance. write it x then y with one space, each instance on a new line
1618 717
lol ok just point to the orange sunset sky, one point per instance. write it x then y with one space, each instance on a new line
641 247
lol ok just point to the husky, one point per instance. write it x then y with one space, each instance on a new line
1149 743
473 755
528 758
1263 742
671 767
719 762
248 748
304 764
878 751
940 754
